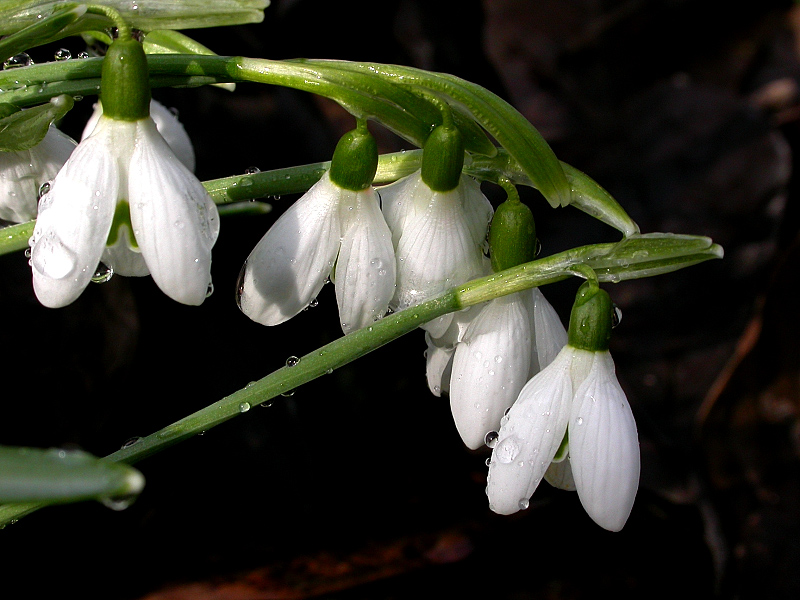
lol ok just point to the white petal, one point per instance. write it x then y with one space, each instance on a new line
530 436
290 264
173 133
174 219
604 446
551 336
365 269
490 367
440 237
123 259
23 173
74 221
438 363
559 475
168 126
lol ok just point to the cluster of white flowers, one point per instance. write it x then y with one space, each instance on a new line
126 197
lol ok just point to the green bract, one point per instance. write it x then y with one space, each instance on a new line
512 235
591 318
355 160
125 85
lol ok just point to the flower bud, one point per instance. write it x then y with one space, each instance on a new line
355 160
443 158
591 319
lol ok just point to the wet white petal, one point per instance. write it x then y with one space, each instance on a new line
290 264
175 222
490 367
23 173
438 363
604 446
168 126
531 436
365 269
73 223
559 475
551 336
439 236
122 258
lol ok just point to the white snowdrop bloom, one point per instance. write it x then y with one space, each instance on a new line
22 174
439 237
168 125
578 391
124 187
329 232
488 359
576 399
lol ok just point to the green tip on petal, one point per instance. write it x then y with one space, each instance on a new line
355 160
591 319
443 158
125 81
512 235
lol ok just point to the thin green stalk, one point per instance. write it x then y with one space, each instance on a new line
624 260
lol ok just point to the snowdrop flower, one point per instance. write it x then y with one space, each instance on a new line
23 172
335 230
123 196
500 349
168 126
576 397
439 220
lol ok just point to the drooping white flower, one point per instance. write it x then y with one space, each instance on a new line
439 237
499 349
578 392
168 126
124 186
329 232
22 174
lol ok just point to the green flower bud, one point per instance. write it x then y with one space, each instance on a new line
591 319
443 158
355 160
125 81
512 235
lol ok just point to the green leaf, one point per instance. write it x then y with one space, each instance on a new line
146 15
26 128
56 476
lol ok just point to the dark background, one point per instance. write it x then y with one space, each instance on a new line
358 486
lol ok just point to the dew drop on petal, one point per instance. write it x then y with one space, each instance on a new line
209 289
579 421
507 450
103 273
491 439
523 503
52 258
44 188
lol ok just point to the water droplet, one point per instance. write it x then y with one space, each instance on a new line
488 461
491 439
52 258
523 503
507 450
18 60
27 252
292 361
498 359
288 394
252 170
244 407
118 502
579 421
62 54
130 442
209 289
267 403
103 273
44 188
538 248
83 55
616 316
